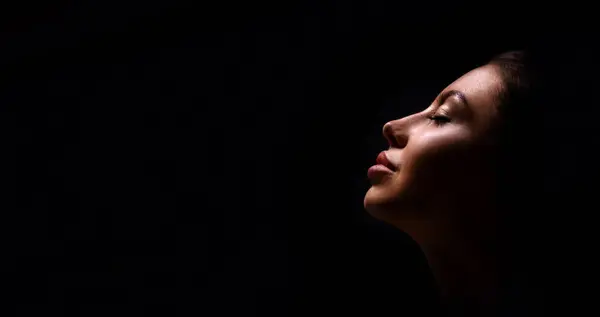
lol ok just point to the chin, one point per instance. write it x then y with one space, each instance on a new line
379 201
387 201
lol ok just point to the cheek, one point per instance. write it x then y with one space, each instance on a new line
432 161
436 157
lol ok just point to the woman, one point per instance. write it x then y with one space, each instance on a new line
466 179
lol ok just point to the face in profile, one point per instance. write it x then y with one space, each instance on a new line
440 155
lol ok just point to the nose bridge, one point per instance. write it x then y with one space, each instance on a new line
397 131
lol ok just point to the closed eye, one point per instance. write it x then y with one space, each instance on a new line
439 119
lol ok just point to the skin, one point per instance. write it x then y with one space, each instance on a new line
441 190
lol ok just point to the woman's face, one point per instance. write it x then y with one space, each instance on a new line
440 154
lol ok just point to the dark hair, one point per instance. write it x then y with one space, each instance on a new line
546 159
520 108
516 160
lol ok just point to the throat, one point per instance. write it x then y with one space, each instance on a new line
469 281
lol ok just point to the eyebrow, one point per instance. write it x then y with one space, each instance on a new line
454 93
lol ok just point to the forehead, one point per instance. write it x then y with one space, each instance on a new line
481 87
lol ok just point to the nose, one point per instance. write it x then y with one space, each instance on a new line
395 132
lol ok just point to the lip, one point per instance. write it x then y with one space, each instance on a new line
383 168
383 160
378 170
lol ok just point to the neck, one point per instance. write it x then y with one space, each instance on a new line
466 263
469 282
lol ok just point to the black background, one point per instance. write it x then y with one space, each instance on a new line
177 158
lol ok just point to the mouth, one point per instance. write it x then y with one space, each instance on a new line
383 160
384 169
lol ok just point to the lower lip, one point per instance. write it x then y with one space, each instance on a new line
378 170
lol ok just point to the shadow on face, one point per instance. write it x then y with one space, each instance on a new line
439 157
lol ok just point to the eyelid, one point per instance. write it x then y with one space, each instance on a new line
452 99
442 111
439 111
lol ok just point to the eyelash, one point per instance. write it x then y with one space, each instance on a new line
439 120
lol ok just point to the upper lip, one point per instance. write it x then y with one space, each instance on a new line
383 160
